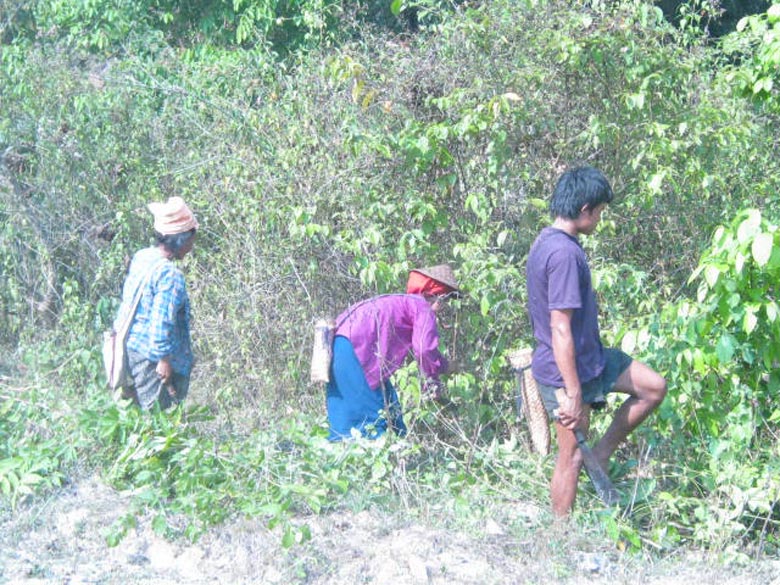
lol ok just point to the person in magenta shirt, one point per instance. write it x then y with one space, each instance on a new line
375 337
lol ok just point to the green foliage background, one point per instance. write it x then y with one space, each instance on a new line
329 147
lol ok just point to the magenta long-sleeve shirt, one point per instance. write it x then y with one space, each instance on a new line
384 330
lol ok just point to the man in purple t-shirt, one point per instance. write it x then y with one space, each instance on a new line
573 370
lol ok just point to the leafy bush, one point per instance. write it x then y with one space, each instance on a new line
756 47
322 177
722 411
108 27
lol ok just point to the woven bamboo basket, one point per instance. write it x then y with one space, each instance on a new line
533 408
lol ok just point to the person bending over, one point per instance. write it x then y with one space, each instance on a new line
375 337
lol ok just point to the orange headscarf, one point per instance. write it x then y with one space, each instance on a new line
419 284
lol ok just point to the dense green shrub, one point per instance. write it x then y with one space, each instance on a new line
756 49
442 149
109 27
721 366
322 177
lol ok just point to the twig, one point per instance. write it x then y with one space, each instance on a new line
303 285
59 366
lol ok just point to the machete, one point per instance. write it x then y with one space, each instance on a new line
598 477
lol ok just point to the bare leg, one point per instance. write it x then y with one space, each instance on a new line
646 390
563 488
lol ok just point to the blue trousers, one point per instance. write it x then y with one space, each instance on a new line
352 404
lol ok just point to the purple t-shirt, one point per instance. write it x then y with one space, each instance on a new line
558 277
385 329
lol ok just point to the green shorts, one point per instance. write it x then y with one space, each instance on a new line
594 392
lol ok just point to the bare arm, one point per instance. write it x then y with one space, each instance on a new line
570 411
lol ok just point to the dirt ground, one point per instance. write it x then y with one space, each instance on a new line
63 540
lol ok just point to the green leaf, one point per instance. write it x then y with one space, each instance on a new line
396 7
749 227
771 311
695 274
711 275
725 348
739 262
159 524
636 101
750 321
484 306
655 183
303 534
30 479
628 343
288 539
762 248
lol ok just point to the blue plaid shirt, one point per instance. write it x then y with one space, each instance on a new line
161 326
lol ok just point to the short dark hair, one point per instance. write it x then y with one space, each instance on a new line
174 242
577 188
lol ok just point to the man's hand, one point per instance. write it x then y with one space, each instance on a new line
433 390
164 370
570 410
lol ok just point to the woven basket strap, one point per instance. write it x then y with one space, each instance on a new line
125 327
354 307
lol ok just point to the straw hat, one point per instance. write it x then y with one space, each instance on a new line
440 273
172 217
534 411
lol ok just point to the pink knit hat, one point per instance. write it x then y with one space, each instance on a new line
172 217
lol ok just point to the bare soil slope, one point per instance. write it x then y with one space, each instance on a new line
63 540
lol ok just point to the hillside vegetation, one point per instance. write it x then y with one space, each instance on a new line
328 148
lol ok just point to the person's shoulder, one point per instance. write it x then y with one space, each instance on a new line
554 234
417 306
144 255
410 299
565 253
161 267
561 242
551 241
142 260
545 236
369 305
170 269
393 298
399 302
